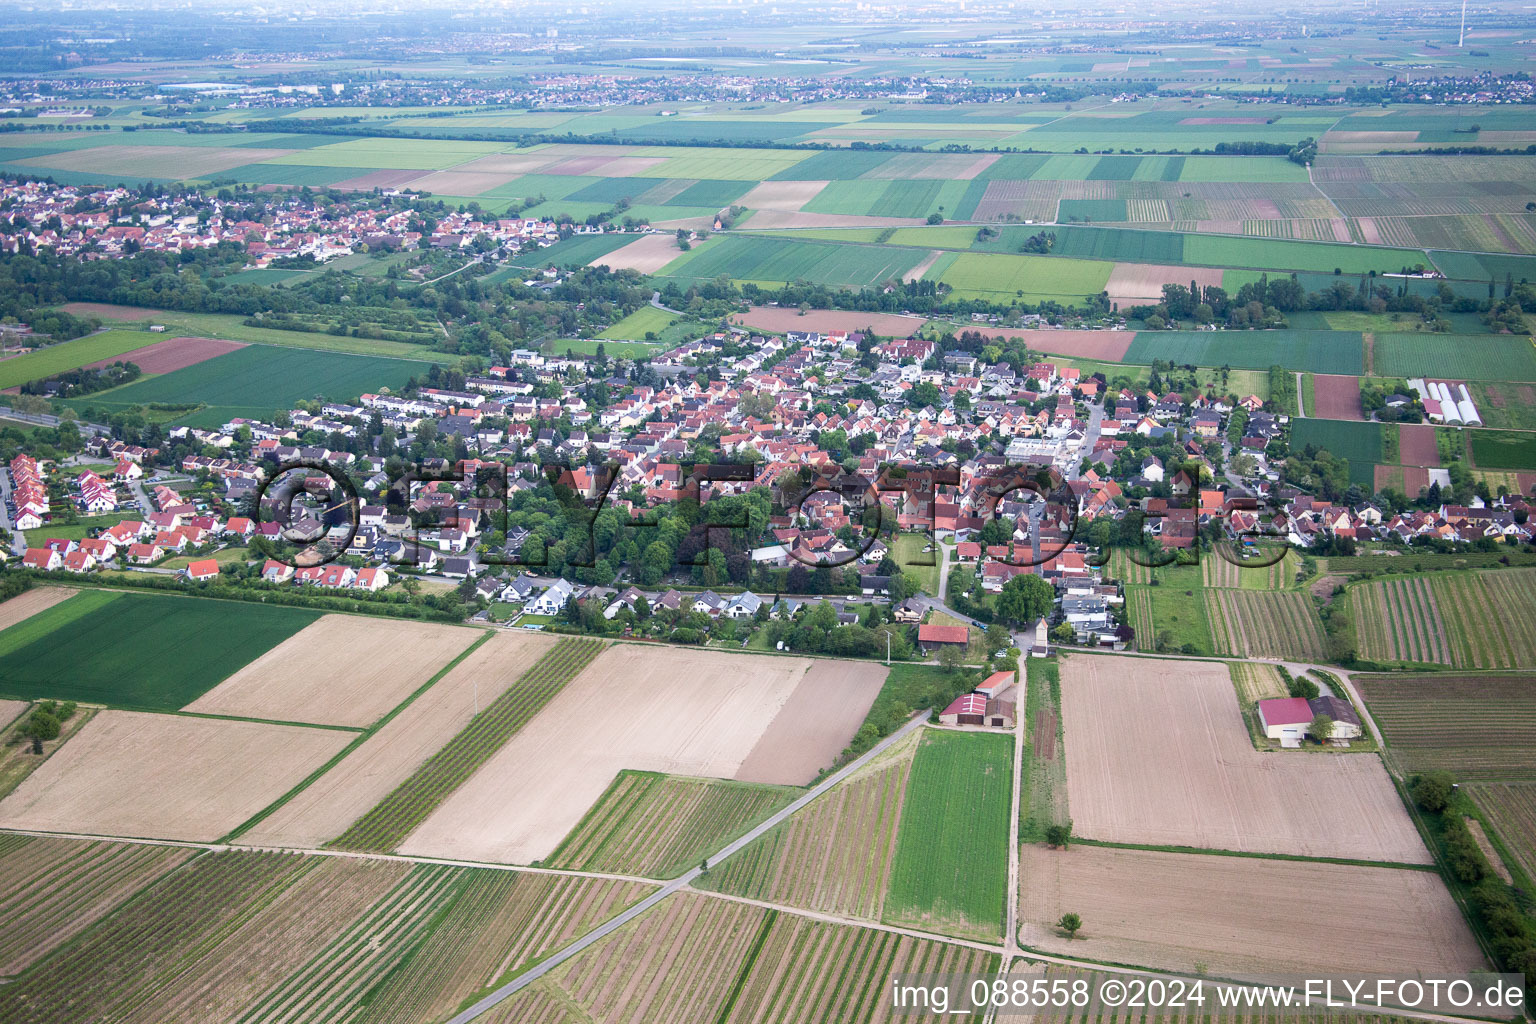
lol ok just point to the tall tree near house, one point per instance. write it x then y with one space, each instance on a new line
1321 727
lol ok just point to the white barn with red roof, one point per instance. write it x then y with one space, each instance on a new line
1285 719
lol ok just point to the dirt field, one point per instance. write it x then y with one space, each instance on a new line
127 162
1416 446
821 716
341 670
29 602
652 709
647 254
1137 283
1157 753
1242 916
175 354
1338 398
108 311
1109 346
346 792
461 183
782 195
166 776
787 318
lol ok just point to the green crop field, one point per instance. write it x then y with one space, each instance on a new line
1172 616
951 869
782 260
576 251
1003 277
152 652
1503 449
255 380
1323 257
1311 351
387 824
1091 209
1344 439
1457 357
71 355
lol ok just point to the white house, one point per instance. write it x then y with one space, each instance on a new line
743 605
552 601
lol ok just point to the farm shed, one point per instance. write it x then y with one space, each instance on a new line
1285 719
1289 719
995 684
969 709
930 636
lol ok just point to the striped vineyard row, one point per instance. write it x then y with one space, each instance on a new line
659 826
834 856
1479 728
330 988
1122 568
1265 624
50 889
1399 620
1139 607
499 922
700 959
113 965
1487 617
820 973
407 806
678 962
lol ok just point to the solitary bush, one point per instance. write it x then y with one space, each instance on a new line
1432 791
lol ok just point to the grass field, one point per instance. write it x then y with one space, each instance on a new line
951 868
660 825
232 327
253 381
1503 449
1312 351
384 827
1043 789
116 648
646 319
1003 277
1172 615
71 355
1497 357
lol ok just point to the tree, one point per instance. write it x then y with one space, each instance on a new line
951 656
1025 598
1321 727
1063 633
1432 791
998 637
1071 924
41 726
1059 835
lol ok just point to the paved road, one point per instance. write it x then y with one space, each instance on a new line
528 977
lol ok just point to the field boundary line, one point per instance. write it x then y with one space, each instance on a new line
852 922
357 741
264 721
1208 851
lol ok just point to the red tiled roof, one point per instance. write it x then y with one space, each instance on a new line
930 634
1286 711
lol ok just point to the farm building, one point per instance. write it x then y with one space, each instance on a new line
994 685
977 709
1289 719
931 637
